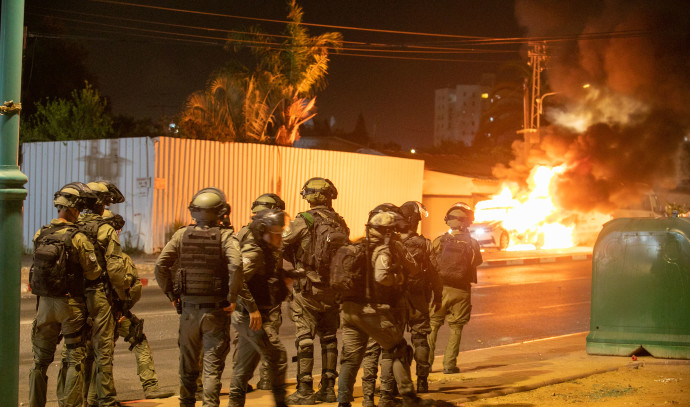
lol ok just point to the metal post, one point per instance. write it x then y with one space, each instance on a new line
12 194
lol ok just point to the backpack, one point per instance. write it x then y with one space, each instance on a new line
328 234
50 274
347 268
454 261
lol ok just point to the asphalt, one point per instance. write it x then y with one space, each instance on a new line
489 372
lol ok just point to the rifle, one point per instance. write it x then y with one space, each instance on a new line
136 330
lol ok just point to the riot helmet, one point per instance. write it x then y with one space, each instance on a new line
413 212
267 201
382 224
459 216
400 223
319 191
75 195
268 224
209 205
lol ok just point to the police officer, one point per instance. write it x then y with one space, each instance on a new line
314 309
370 369
250 249
259 308
374 308
456 256
204 291
101 293
59 285
130 328
421 284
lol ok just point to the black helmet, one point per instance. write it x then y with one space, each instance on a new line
74 195
267 226
459 215
413 211
267 201
208 205
319 191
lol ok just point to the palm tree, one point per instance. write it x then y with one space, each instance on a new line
298 66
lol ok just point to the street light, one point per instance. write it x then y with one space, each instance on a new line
540 107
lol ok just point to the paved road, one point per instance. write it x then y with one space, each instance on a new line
511 304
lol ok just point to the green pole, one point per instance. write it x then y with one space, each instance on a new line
12 194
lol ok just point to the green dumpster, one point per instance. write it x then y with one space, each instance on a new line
641 288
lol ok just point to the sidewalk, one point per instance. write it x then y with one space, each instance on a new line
490 372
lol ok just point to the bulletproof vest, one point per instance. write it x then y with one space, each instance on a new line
266 286
454 260
90 229
54 272
328 233
203 268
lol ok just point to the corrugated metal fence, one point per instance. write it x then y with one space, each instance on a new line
159 177
127 162
245 171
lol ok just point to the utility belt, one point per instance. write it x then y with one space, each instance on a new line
205 305
310 284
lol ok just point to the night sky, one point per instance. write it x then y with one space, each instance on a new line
147 76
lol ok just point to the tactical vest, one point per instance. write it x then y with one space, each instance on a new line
203 267
90 229
55 272
266 285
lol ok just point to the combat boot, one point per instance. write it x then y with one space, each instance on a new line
368 400
155 392
411 400
264 384
422 384
327 392
388 400
303 396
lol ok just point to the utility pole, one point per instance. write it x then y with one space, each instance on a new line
12 195
532 100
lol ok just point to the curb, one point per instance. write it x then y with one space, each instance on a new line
536 260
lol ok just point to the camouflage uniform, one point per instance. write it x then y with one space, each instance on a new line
262 273
314 308
456 304
203 322
62 315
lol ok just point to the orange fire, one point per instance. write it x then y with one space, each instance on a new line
530 215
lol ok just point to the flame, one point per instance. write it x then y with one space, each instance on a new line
528 215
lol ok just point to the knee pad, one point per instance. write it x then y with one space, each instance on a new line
305 346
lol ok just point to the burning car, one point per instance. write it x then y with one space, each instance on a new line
490 234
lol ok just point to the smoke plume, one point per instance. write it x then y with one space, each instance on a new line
622 136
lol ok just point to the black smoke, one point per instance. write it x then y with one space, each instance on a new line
631 50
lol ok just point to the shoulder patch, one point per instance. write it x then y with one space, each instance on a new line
308 217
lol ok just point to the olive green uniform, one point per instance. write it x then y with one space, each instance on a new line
370 370
62 315
381 318
98 302
423 284
456 304
314 308
262 274
203 322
